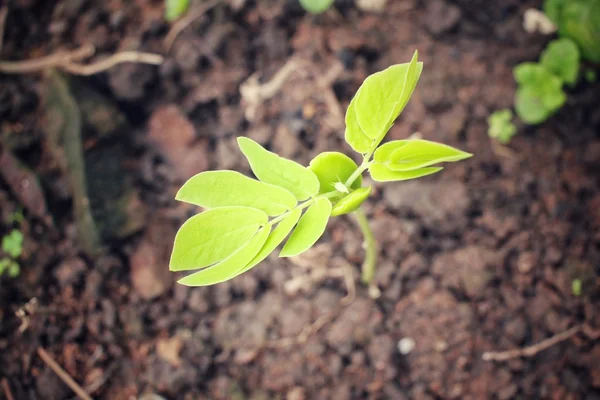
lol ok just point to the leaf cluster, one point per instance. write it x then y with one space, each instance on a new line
246 219
540 85
501 127
578 20
12 246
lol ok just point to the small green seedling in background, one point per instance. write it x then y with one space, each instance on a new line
12 246
175 9
501 127
576 285
247 219
579 21
540 91
316 6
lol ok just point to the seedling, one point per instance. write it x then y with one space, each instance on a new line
578 20
501 127
12 246
316 6
246 219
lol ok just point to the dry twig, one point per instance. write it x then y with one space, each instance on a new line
62 374
183 23
70 61
532 350
254 93
6 389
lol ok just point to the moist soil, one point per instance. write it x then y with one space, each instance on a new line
480 257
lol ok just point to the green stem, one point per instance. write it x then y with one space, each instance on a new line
362 168
370 246
302 206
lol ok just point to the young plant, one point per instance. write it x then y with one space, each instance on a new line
316 6
246 219
540 91
578 20
501 127
12 246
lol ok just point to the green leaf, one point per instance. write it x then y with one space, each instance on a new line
229 267
331 167
351 202
416 154
278 171
539 94
384 152
354 134
383 96
175 9
229 188
381 173
275 238
12 243
561 57
553 8
309 229
500 126
579 21
214 235
14 269
316 6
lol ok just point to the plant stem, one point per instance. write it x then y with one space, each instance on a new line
370 246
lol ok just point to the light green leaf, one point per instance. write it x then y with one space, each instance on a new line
561 57
383 96
500 126
278 171
214 235
381 173
351 202
316 6
13 243
384 152
275 238
354 134
229 267
175 9
331 167
229 188
417 154
309 229
540 93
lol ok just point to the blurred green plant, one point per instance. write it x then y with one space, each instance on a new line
12 246
175 9
576 285
501 127
246 219
316 6
578 20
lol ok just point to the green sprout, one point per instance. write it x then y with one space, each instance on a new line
501 127
12 246
247 219
175 9
316 6
576 285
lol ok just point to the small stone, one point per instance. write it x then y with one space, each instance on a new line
169 349
406 345
526 262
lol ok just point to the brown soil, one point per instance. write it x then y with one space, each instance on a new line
477 258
